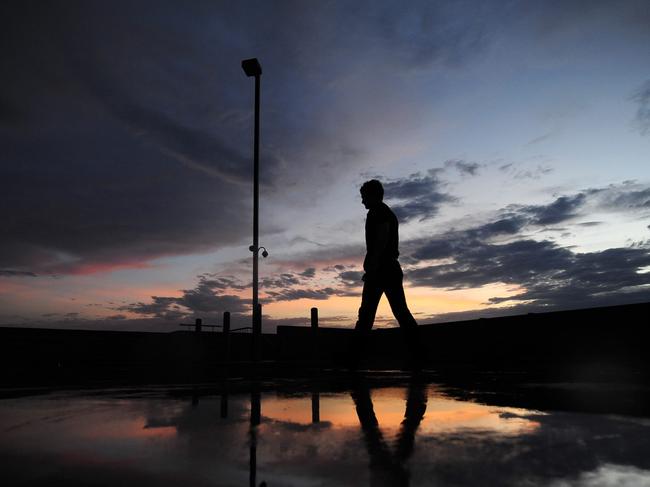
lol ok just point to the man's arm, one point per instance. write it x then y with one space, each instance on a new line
379 240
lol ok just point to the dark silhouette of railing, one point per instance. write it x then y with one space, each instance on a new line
255 330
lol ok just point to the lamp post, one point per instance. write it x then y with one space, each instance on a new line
252 68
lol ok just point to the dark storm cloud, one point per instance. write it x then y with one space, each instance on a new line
284 280
160 307
91 186
317 294
562 209
217 282
413 186
203 299
515 218
308 273
351 278
549 274
206 298
477 264
642 97
509 224
125 140
11 273
416 196
293 294
511 221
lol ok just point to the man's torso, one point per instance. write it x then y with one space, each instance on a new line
379 217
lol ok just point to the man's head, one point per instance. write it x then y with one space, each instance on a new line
372 193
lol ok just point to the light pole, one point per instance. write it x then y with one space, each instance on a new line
252 68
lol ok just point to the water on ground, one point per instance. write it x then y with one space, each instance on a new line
360 433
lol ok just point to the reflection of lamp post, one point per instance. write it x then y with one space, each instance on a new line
256 417
252 68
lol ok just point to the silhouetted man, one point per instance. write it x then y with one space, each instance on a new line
383 274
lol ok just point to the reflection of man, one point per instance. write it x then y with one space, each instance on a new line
383 274
386 466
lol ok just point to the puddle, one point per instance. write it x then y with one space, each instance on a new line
410 434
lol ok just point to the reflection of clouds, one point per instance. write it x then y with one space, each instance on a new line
445 417
564 447
338 410
167 441
609 476
462 443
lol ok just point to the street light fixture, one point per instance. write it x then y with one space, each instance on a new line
251 67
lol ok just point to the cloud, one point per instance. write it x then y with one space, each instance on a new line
351 278
562 209
159 307
134 140
206 298
308 273
549 274
463 167
642 98
510 221
509 224
518 172
138 201
497 251
628 196
416 196
217 282
284 280
317 294
12 273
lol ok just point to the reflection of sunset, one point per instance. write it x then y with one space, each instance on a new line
443 414
72 439
337 410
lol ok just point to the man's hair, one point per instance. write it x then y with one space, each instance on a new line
373 188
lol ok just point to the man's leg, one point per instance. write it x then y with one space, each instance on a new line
372 291
416 406
395 293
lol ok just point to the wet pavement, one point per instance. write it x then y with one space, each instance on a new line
363 431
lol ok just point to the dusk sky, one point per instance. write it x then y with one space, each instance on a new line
512 138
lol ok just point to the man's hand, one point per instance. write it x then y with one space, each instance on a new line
369 276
